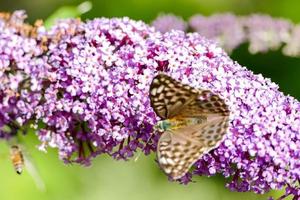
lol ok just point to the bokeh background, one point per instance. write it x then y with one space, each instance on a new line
108 179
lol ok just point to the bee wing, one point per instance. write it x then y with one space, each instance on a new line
178 150
33 171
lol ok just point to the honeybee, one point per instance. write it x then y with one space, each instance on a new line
17 158
21 161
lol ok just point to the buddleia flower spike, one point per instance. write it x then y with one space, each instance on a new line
194 121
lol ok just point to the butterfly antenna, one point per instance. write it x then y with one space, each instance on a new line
139 154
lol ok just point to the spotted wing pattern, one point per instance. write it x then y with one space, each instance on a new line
179 149
168 96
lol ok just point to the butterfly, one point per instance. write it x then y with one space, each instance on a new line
194 122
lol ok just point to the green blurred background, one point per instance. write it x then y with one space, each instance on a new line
108 179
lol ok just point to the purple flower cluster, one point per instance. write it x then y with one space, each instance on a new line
265 33
96 100
167 22
222 28
19 60
69 83
262 148
88 94
293 45
262 32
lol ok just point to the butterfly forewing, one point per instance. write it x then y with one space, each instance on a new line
205 104
168 97
180 148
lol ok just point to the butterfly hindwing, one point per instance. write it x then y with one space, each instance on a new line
178 150
210 133
176 153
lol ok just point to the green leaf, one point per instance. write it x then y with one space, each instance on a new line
68 12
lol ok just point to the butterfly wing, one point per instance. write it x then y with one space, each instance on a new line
177 153
178 150
169 96
206 104
209 134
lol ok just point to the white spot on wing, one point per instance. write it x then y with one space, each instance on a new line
163 161
170 161
153 91
181 162
169 93
160 89
155 81
167 170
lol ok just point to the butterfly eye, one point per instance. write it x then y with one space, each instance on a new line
158 127
161 126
